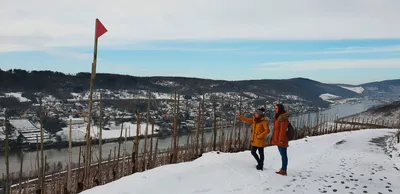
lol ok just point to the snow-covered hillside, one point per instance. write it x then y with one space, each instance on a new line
386 112
349 162
358 89
392 115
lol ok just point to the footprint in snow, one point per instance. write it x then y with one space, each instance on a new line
235 190
202 190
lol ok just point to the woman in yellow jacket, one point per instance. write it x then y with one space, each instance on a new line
259 132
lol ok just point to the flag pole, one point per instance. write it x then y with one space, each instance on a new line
99 30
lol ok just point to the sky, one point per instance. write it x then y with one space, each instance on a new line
332 41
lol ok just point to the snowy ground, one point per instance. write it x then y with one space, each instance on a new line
337 163
78 131
17 95
328 97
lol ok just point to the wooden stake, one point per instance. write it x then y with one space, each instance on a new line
123 154
215 126
6 155
146 132
233 131
88 137
100 160
202 126
136 163
240 112
174 131
154 164
119 146
149 165
198 131
69 157
178 126
42 172
20 172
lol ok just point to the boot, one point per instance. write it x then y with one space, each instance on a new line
260 167
282 172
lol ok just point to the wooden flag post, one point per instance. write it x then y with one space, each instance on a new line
99 31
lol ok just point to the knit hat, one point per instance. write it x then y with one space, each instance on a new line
260 110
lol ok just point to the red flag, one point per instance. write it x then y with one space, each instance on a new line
100 29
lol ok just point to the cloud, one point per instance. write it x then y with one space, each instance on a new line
313 65
48 23
344 50
69 54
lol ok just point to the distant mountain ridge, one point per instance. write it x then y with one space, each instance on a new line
60 84
379 88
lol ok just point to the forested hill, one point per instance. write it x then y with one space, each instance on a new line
60 84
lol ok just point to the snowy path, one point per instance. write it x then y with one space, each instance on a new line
337 163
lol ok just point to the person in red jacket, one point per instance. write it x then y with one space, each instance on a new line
259 133
279 137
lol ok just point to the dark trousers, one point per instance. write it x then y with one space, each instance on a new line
260 160
283 152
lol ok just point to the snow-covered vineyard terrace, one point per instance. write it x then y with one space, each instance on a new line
348 162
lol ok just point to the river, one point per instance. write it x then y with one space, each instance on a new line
61 155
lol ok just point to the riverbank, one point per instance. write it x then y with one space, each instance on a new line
27 147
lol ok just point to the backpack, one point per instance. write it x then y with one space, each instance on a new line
290 132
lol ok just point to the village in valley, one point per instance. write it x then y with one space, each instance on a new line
73 113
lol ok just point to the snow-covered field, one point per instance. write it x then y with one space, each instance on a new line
17 95
357 89
337 163
78 131
328 97
28 130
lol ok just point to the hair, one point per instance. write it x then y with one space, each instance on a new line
261 112
281 110
261 109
